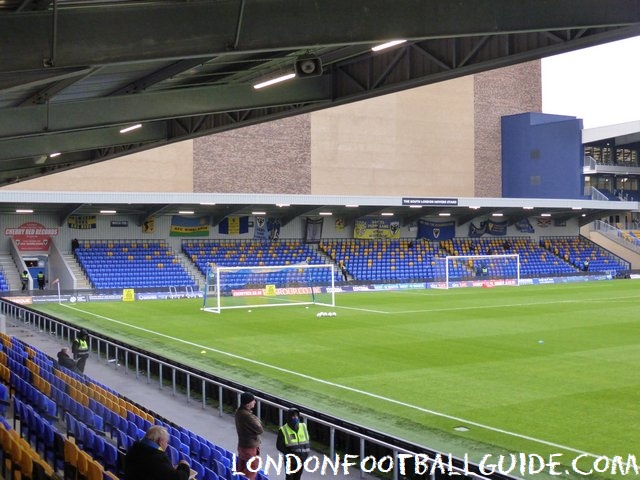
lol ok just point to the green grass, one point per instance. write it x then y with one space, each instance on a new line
536 369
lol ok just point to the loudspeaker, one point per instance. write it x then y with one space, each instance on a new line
308 66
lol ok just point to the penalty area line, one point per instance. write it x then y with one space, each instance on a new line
340 386
369 310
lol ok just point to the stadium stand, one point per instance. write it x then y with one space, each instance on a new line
380 260
68 425
131 264
534 260
232 253
407 260
134 264
575 250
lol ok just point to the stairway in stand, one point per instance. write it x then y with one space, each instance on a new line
191 269
10 271
82 283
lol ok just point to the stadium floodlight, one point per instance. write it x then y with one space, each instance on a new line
384 46
131 128
273 81
477 270
268 286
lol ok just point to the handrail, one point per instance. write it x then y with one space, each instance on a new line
589 163
598 195
615 234
369 440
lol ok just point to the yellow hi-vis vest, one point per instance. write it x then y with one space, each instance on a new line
296 442
83 346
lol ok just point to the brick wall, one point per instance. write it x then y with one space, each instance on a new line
505 91
272 157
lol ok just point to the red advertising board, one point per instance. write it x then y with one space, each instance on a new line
32 236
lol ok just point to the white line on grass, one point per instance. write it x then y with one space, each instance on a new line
361 309
343 387
480 307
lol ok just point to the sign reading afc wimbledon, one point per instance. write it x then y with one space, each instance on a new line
434 202
31 236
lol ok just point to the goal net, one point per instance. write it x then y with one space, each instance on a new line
269 286
477 271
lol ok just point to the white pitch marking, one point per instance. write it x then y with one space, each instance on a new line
345 387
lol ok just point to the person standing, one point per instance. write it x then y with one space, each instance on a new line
249 429
293 439
80 349
41 280
344 271
147 458
24 279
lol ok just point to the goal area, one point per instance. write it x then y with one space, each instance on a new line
268 286
477 271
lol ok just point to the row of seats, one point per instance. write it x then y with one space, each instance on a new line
228 253
98 425
19 460
577 250
135 265
4 285
383 260
132 265
122 245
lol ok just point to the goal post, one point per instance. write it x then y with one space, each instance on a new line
268 286
477 270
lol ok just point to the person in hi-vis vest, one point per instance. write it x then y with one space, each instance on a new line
293 439
24 279
80 349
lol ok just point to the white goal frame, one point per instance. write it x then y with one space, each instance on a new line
307 294
473 279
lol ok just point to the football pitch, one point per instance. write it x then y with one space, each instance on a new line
551 369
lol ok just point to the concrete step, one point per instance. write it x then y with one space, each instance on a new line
81 279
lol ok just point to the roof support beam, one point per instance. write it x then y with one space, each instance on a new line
150 106
102 34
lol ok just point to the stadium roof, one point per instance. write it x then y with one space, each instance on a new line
73 73
621 135
140 206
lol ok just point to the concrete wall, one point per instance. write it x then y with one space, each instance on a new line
164 169
414 143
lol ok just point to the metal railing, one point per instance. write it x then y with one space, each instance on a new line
597 195
341 436
615 234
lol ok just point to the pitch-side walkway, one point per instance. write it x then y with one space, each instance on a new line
205 422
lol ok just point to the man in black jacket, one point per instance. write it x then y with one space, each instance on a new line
80 349
147 459
65 360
